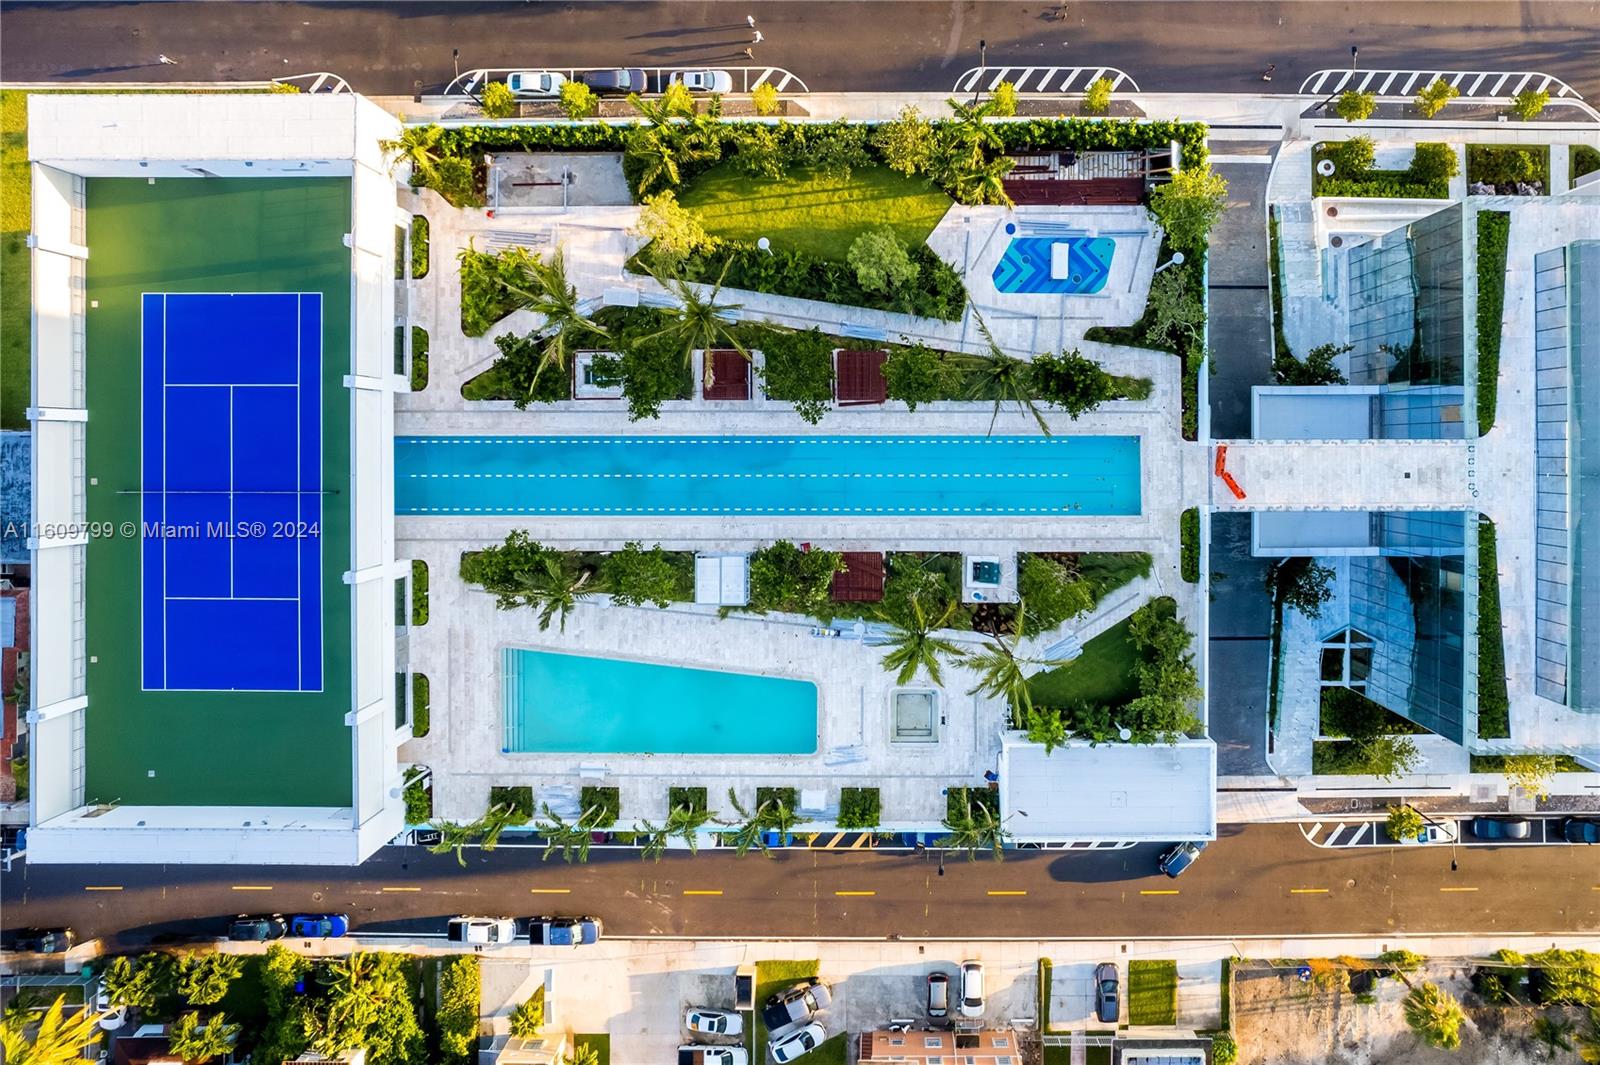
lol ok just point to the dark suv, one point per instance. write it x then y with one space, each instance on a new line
259 929
618 81
1581 830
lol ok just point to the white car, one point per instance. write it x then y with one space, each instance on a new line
972 989
700 1054
703 80
799 1043
1434 832
535 82
111 1017
707 1021
482 931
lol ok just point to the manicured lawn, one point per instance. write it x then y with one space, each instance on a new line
1153 992
1102 675
599 1040
812 213
772 977
16 213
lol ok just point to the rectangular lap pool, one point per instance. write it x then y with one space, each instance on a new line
800 475
581 704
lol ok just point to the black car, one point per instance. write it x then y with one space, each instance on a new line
1105 993
1180 857
617 81
44 940
796 1005
1581 830
1501 828
259 929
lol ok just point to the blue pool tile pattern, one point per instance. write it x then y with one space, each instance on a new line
792 475
564 703
1025 265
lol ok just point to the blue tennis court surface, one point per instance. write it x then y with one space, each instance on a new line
231 472
1070 266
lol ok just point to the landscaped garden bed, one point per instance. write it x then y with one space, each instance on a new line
1582 160
1354 175
1494 704
1509 168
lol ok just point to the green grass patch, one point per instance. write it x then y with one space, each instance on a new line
1189 545
1496 763
810 212
419 246
835 1051
1046 973
1494 703
1494 233
1103 675
419 705
1153 992
16 268
419 592
599 1041
772 977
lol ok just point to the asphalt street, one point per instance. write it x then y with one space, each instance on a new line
1258 880
386 48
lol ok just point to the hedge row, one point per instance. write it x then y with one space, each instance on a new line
1494 232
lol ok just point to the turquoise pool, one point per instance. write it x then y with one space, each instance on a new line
582 704
801 475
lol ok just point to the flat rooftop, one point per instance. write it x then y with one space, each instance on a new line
1113 791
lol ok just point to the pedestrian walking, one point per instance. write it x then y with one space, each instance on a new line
1266 75
749 54
752 20
166 60
758 38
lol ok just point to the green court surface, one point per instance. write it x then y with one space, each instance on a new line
209 235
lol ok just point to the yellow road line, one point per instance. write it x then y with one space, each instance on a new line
1308 891
1458 889
1165 891
98 887
402 889
702 891
855 893
550 891
252 887
1005 892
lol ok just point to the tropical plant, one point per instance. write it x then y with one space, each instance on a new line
284 87
911 645
699 321
674 232
1053 592
456 836
1224 1051
749 832
654 151
204 979
635 576
1097 97
1045 725
1189 205
784 577
140 984
192 1040
1527 104
554 583
1005 99
1433 162
59 1040
1353 105
763 153
1435 1015
979 828
1404 822
1433 96
915 374
1176 308
578 100
1005 378
983 182
838 151
581 1054
684 820
880 260
541 286
460 987
571 839
418 146
497 100
971 130
1071 382
859 808
528 1018
1589 1041
906 143
764 98
1002 672
797 367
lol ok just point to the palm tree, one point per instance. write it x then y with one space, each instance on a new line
555 586
983 181
59 1040
700 321
1435 1015
454 836
1002 672
354 994
980 829
417 145
657 150
973 130
660 112
496 820
541 286
1003 377
192 1041
684 821
572 840
654 844
913 646
749 831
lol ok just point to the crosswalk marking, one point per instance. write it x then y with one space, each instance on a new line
1043 79
1472 83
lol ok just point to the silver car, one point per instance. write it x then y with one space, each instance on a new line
704 80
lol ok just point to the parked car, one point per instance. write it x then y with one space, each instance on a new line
535 82
704 80
707 1021
1581 830
1433 832
938 994
319 926
799 1043
1106 1007
481 931
44 940
111 1017
712 1055
972 989
258 929
616 81
563 931
796 1005
1501 828
1180 857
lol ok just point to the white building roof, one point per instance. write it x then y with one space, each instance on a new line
1114 791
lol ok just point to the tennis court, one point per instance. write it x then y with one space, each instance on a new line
231 485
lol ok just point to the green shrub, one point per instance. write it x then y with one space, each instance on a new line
1404 822
204 978
578 100
1319 367
419 245
1097 98
635 576
457 181
797 368
1348 714
1189 545
906 144
1352 157
881 261
518 797
859 808
674 231
419 358
1071 382
457 1019
1505 164
1494 704
1432 163
1494 235
485 297
783 577
652 371
418 797
1175 312
764 98
1582 159
498 101
960 803
1193 365
1356 106
528 1018
692 798
838 150
1051 592
1167 679
1431 100
767 798
915 374
1224 1051
1527 104
1005 99
601 805
1188 206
